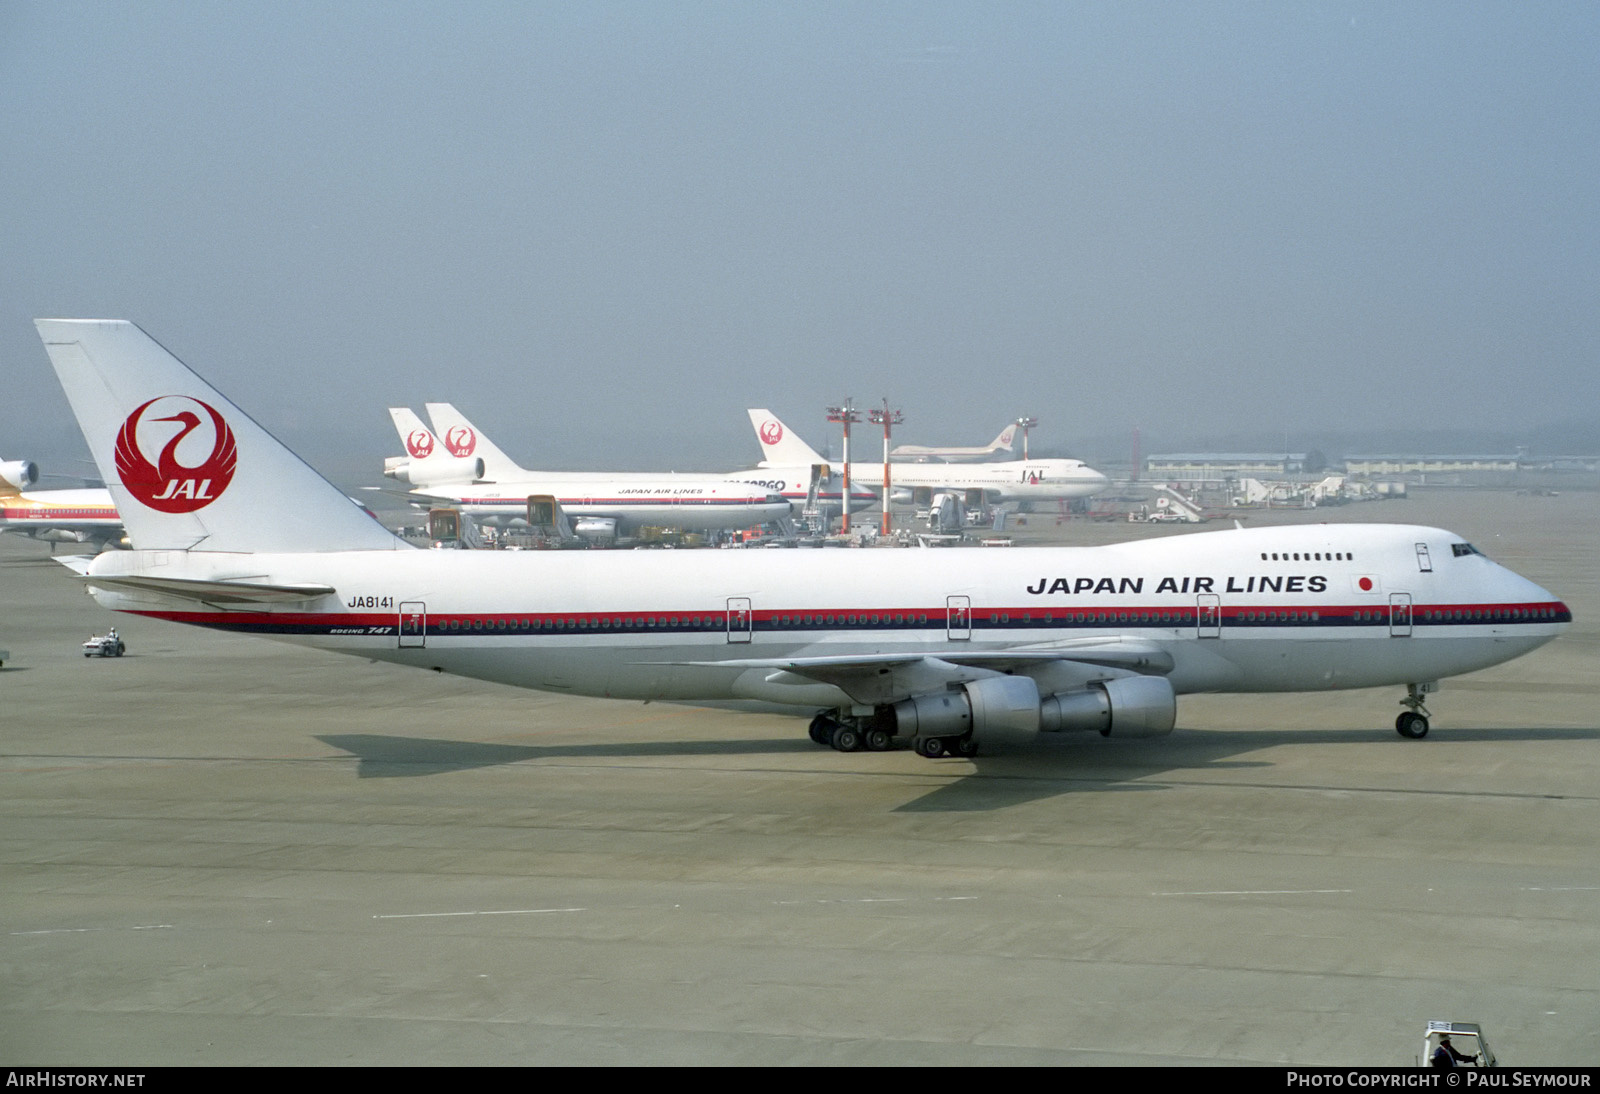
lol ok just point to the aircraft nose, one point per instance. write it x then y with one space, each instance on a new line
1539 600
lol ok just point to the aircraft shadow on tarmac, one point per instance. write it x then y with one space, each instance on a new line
1020 773
383 756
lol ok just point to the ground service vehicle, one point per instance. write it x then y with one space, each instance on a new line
1467 1037
104 645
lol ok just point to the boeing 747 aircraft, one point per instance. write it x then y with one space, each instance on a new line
1005 442
1022 481
942 650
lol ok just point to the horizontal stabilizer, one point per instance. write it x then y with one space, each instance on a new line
234 591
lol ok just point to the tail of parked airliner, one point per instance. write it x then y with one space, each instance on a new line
187 469
780 447
427 461
462 440
1006 441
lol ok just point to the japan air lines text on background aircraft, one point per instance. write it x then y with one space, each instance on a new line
941 649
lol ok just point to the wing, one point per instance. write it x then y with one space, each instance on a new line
879 678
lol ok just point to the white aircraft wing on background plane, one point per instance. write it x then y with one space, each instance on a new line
940 649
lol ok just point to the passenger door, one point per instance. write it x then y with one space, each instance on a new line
740 621
413 624
958 618
1399 615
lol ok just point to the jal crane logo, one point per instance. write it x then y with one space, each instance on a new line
460 440
170 485
771 432
419 442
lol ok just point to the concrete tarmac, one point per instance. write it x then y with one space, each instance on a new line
223 850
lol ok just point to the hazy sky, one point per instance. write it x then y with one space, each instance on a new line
604 229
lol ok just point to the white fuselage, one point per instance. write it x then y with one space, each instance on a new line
1279 609
1013 480
690 502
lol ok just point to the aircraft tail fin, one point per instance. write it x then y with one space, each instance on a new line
187 469
1007 440
427 462
418 439
463 440
779 446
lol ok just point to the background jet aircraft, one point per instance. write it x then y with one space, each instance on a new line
481 460
1009 481
56 516
1005 442
460 466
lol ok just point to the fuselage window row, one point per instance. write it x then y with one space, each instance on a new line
991 620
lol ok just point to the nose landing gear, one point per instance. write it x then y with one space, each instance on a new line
1413 722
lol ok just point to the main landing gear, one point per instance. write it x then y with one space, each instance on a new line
1413 722
847 733
964 746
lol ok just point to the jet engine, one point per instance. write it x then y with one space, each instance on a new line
437 472
598 528
903 495
20 473
996 704
1130 706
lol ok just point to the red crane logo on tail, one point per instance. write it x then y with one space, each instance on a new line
771 432
460 440
419 442
168 485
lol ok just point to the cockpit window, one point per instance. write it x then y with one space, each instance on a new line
1462 550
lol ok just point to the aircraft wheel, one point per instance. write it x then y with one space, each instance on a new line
966 746
1411 724
822 729
878 740
847 738
930 747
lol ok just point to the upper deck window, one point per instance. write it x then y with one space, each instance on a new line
1461 550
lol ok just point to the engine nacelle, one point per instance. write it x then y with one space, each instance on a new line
903 495
436 472
19 473
1130 706
997 705
598 528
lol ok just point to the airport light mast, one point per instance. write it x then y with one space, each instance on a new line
886 418
845 415
1026 424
